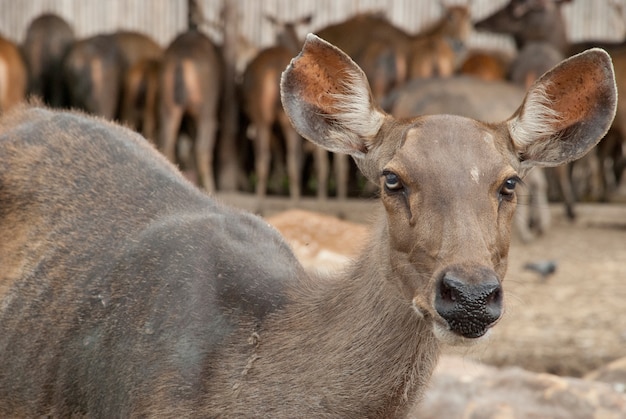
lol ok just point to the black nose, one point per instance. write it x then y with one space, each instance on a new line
469 301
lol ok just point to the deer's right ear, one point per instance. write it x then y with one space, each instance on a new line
328 99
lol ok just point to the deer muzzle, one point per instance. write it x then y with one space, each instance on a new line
469 301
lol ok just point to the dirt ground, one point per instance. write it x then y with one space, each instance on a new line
568 324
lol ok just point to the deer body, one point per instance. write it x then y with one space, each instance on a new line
125 291
261 99
230 343
261 102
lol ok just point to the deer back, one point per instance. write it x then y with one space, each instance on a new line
91 284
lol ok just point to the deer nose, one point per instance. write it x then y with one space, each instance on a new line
471 304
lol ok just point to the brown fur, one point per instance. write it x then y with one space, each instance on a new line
127 292
140 63
437 51
486 65
13 75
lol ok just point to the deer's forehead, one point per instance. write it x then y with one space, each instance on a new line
451 145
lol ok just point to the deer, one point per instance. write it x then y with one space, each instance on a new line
92 74
189 89
437 51
260 97
13 75
391 56
95 67
48 36
127 291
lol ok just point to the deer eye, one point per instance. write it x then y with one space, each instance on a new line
507 191
392 181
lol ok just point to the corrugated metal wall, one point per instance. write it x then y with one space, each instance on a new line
163 19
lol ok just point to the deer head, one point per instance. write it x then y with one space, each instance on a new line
447 182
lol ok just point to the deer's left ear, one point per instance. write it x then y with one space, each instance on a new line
566 111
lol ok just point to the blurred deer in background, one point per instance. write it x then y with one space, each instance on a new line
438 50
260 97
189 91
47 39
94 69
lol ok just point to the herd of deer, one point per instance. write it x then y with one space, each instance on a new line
125 291
161 92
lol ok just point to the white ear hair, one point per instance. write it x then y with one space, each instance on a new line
538 120
356 121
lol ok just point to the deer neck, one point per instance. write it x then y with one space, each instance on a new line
354 338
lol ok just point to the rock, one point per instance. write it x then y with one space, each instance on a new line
464 389
613 373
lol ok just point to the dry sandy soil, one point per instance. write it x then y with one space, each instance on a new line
568 324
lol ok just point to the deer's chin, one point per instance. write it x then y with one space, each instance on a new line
443 333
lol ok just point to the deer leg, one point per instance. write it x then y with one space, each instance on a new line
204 146
149 120
321 168
294 157
262 159
593 173
565 184
522 215
171 119
539 198
342 170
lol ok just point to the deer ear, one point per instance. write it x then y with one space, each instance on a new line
566 111
328 99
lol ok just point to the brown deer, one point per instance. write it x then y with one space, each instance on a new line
94 69
189 86
92 74
437 50
126 291
140 78
47 39
260 98
389 55
13 75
